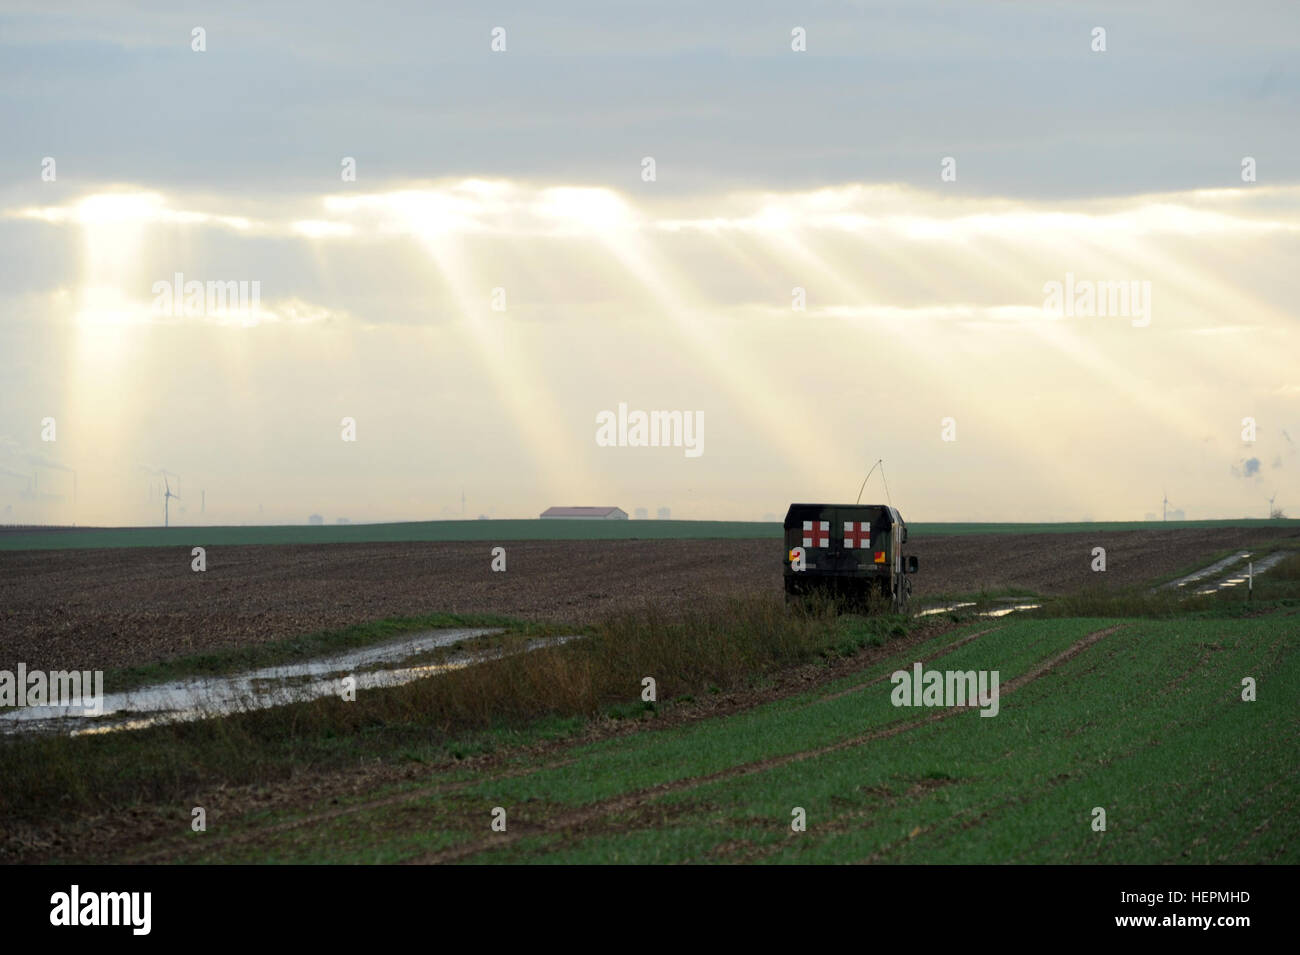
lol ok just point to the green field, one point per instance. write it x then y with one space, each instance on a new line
1147 723
512 530
1143 718
1132 706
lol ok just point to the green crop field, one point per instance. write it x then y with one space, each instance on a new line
1141 718
66 538
1133 706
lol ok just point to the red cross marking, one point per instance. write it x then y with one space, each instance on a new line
816 536
859 538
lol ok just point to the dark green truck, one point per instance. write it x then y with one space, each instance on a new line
852 552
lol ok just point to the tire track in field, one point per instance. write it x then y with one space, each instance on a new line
975 813
941 652
1137 748
1261 827
617 804
446 788
329 815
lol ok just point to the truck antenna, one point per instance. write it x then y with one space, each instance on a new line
879 464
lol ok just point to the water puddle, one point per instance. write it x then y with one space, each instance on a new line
1236 578
1000 612
1217 567
198 698
951 607
1242 574
1006 610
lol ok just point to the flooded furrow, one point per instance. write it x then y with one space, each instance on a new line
1241 564
205 697
1217 567
999 612
1243 574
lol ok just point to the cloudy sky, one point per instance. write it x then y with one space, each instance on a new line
891 244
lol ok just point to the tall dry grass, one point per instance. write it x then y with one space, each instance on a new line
719 642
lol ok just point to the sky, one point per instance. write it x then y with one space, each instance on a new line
456 260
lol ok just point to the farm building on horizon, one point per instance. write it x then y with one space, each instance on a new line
585 513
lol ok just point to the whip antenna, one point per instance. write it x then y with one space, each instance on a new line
878 464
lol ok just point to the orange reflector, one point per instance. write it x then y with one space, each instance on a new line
880 557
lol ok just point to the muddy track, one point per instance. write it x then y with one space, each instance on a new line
600 810
943 651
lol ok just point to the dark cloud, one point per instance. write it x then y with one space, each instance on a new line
1012 91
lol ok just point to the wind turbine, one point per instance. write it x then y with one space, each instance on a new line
167 499
1270 504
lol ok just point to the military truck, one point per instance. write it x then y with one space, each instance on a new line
851 552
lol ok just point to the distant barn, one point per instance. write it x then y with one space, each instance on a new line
585 513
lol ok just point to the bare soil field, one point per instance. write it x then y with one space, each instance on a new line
94 609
